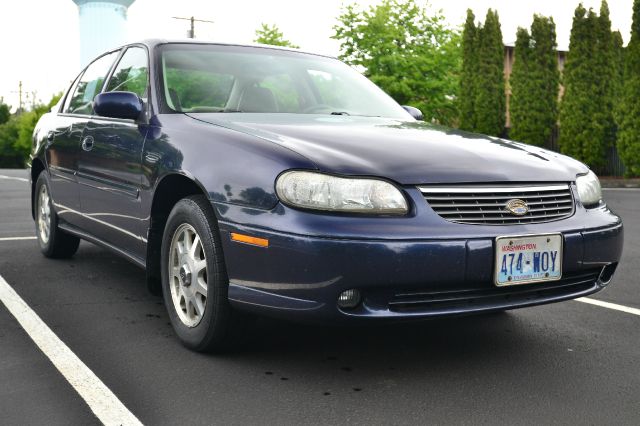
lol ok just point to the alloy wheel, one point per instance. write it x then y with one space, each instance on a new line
188 275
44 214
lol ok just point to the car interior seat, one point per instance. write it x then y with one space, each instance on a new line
257 99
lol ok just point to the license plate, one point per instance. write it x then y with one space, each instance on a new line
528 259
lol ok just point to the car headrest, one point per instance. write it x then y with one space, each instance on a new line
258 99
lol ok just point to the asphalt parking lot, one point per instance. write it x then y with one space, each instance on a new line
567 363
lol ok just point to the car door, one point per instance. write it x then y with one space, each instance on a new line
110 167
64 141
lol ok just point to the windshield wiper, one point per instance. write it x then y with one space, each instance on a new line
340 113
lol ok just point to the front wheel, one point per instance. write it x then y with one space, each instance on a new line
194 280
53 241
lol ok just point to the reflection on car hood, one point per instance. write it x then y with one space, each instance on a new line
407 152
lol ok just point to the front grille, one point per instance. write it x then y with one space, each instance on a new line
571 285
487 205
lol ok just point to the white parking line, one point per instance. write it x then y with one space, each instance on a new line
104 404
16 238
609 305
14 178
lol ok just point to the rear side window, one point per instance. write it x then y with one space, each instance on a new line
131 74
90 84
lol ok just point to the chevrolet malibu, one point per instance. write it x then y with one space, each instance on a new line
258 180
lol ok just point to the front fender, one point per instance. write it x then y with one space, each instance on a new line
231 167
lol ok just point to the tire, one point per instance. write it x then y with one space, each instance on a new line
194 279
54 242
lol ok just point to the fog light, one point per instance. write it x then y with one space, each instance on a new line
349 299
607 274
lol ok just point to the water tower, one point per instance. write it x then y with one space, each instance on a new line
102 26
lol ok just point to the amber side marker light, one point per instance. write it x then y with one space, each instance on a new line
260 242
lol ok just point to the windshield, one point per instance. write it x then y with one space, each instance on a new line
214 78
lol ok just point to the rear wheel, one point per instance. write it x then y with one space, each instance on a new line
53 241
194 279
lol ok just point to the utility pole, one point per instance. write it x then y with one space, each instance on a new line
20 95
193 20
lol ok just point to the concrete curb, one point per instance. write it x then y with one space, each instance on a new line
619 183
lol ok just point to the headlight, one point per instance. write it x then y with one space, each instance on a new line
589 189
318 191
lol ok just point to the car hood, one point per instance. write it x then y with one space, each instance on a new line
406 152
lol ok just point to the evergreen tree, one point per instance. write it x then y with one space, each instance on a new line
604 67
521 90
618 67
586 118
490 90
535 83
574 116
469 73
617 82
629 117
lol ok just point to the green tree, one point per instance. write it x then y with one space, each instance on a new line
535 83
629 112
469 73
5 112
617 84
618 65
9 156
407 51
576 104
521 88
16 135
586 113
604 62
271 34
490 90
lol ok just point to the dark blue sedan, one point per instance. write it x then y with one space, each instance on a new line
270 181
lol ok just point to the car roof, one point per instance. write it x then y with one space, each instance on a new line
154 42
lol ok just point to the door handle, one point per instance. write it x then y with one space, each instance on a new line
87 143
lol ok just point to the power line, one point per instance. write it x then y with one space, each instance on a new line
192 31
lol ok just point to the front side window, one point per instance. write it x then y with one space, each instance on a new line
214 78
90 84
131 74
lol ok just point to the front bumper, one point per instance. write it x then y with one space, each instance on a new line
300 277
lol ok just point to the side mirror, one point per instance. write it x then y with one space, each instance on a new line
126 105
415 112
